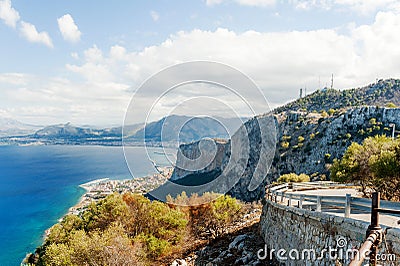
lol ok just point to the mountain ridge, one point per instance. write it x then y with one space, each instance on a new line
381 93
308 141
172 129
9 126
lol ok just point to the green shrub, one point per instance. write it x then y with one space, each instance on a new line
58 255
375 165
154 218
327 156
109 247
100 215
155 247
372 121
211 213
285 144
107 232
391 105
224 210
286 137
292 177
324 113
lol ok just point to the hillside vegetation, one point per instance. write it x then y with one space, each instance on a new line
309 142
130 229
382 93
374 164
311 133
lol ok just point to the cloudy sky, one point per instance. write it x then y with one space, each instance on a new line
80 61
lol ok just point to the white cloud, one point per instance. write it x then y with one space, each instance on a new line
14 78
363 7
63 100
5 114
279 62
378 45
154 15
260 3
11 17
366 6
68 28
213 2
30 33
307 5
93 54
117 52
75 55
8 14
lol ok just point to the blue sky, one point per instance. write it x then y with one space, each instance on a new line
79 61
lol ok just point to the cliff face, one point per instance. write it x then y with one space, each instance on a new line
315 141
244 160
305 143
192 151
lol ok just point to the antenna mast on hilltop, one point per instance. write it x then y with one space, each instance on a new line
319 82
301 93
332 82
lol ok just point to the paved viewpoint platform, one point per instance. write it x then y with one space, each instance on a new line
364 215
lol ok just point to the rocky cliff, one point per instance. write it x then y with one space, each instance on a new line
240 163
306 142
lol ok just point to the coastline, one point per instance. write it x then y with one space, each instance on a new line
100 188
87 185
81 202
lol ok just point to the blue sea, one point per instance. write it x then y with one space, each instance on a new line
38 184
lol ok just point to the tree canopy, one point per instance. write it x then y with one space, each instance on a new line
130 229
374 164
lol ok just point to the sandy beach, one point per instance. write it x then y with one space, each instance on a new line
101 188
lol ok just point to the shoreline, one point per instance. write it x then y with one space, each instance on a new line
87 185
98 189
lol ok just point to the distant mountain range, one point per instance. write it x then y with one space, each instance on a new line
187 129
175 129
11 127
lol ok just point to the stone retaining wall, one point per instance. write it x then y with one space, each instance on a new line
306 231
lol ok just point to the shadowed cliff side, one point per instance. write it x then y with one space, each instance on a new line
238 167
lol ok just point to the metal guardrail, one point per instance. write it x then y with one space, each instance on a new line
280 194
375 206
